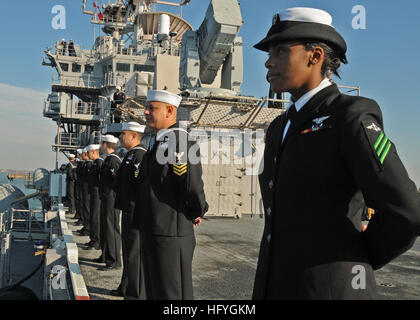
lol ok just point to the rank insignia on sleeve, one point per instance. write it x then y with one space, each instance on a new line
137 171
374 127
178 157
379 142
181 169
382 147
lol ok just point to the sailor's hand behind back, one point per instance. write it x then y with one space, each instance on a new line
197 222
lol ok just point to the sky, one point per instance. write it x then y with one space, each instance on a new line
383 61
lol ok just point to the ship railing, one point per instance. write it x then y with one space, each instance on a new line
84 108
28 224
3 221
6 218
97 136
85 81
5 242
107 50
108 19
156 49
103 51
125 51
68 139
61 51
112 79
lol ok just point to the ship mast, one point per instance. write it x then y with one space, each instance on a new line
118 18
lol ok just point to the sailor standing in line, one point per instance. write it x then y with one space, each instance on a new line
132 280
318 157
84 181
77 187
71 179
170 200
110 234
95 201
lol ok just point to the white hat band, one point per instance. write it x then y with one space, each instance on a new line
133 126
164 96
109 138
93 147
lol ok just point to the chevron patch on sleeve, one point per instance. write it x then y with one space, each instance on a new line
379 142
180 169
137 171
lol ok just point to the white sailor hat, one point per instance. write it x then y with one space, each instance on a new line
306 24
110 138
93 147
85 149
164 96
133 126
118 87
79 151
71 155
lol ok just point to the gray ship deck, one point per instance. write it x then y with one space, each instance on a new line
225 261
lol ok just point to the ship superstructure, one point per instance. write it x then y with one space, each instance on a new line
143 49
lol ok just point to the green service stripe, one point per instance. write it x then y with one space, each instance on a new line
385 152
382 146
379 140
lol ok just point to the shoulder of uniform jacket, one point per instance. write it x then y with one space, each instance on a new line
275 124
177 131
355 106
113 157
139 150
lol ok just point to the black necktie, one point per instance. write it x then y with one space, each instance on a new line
291 113
152 142
291 116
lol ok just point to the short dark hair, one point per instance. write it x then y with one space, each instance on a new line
111 145
332 61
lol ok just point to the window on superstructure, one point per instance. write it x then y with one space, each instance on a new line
76 67
123 67
107 69
144 68
88 68
64 66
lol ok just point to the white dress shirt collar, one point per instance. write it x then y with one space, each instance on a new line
308 96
